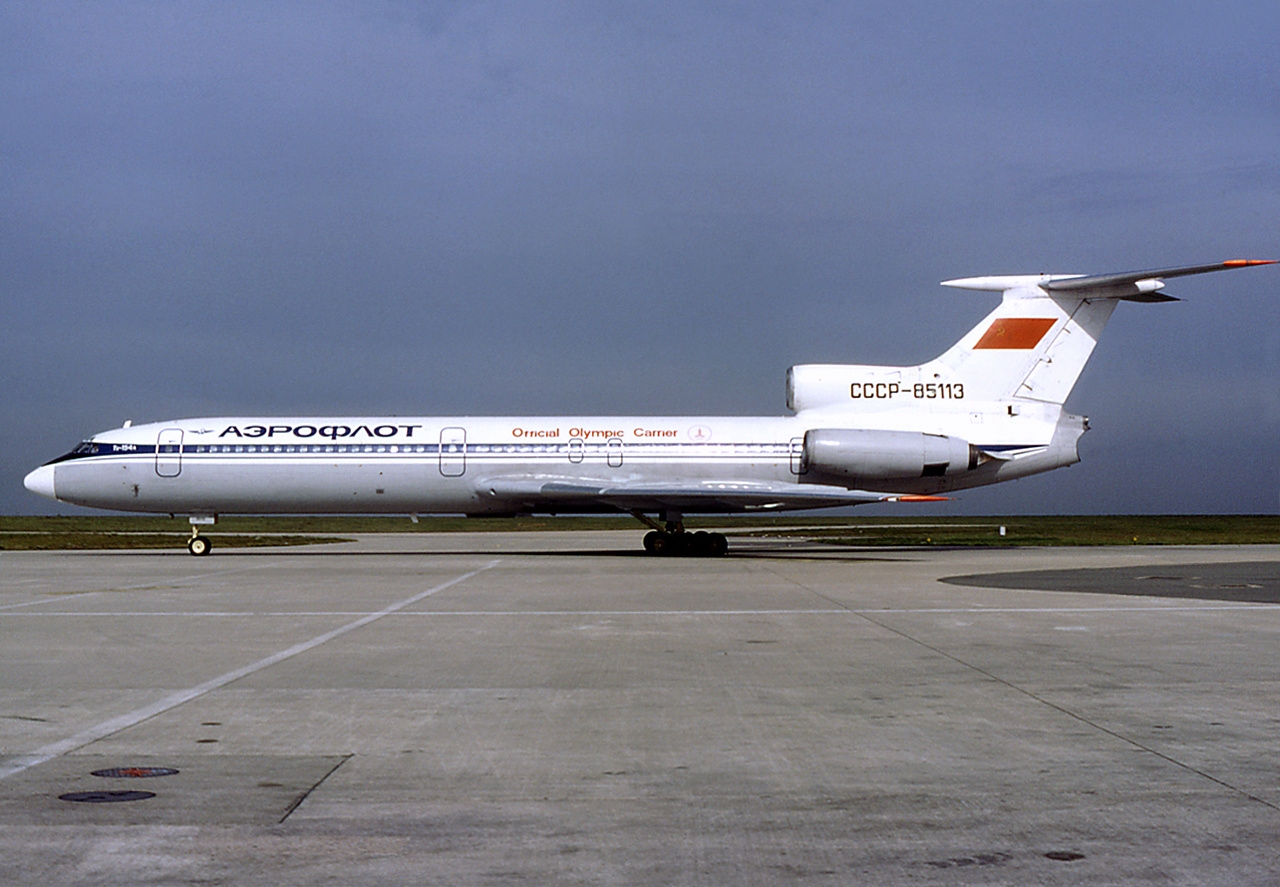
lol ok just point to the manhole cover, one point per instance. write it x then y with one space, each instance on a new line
105 797
134 772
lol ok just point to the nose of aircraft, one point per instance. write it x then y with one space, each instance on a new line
41 481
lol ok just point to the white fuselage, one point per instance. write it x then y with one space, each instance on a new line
470 465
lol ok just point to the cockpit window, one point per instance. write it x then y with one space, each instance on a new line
86 448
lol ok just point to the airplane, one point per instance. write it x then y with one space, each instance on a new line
987 410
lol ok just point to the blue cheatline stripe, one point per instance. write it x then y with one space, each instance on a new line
98 451
481 450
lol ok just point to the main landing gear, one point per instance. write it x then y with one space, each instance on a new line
699 544
671 539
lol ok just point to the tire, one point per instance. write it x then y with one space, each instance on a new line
199 546
648 541
719 545
660 544
700 544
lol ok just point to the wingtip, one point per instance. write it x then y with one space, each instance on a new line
1244 263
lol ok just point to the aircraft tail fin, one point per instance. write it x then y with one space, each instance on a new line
1035 344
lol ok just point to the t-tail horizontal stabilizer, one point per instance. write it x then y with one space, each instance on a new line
1130 286
1035 344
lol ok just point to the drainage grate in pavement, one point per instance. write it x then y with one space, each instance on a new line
105 797
134 772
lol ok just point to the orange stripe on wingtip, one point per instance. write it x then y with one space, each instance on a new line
924 499
1241 263
1015 332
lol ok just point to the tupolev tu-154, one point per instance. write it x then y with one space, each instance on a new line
987 410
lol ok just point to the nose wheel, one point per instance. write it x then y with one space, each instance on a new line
197 544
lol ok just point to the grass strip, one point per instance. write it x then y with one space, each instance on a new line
1055 531
82 541
132 531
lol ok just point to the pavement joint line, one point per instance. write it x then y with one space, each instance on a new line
173 700
80 594
848 611
301 798
867 614
1115 734
844 611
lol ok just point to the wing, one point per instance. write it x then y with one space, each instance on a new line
719 496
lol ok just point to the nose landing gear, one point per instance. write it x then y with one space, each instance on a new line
197 544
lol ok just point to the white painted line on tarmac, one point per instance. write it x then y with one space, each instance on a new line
173 700
971 611
176 583
48 600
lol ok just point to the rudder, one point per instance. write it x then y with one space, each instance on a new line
1033 346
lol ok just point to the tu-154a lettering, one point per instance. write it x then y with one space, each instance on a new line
987 410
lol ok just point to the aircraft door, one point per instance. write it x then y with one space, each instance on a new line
169 452
453 451
613 452
577 450
797 455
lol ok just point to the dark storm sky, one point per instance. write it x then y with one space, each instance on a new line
478 208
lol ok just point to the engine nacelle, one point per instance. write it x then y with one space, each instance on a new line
814 386
854 454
